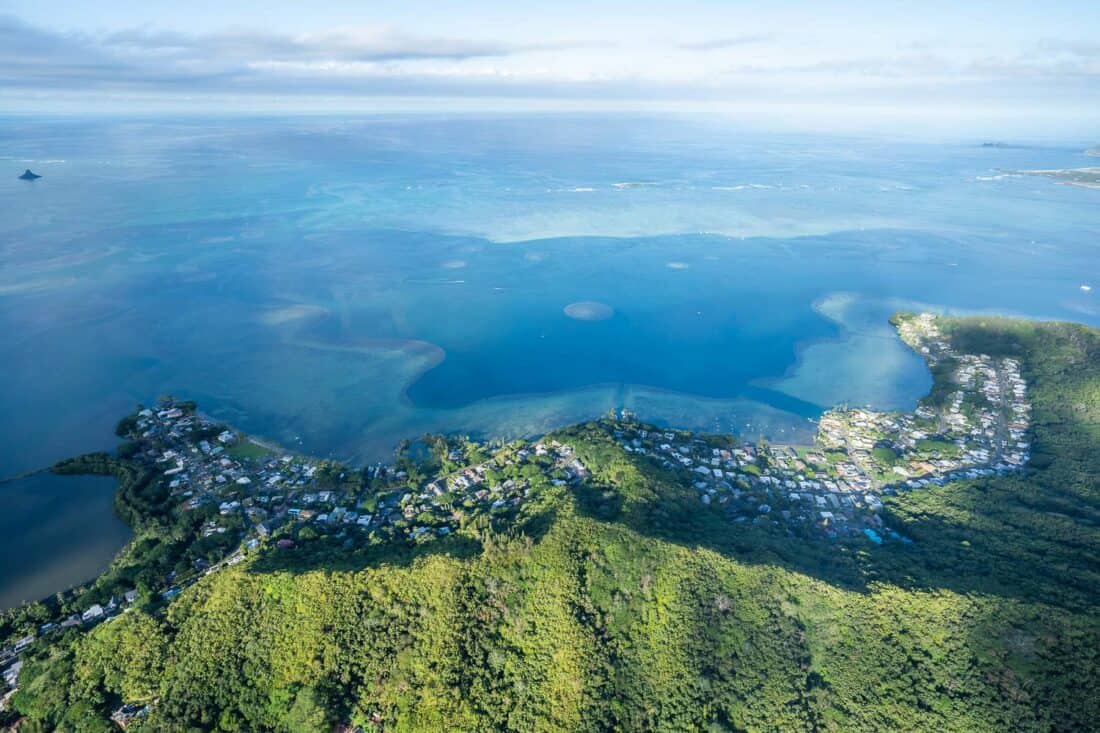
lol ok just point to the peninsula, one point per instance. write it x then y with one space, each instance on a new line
610 575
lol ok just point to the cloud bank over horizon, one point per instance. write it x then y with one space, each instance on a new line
601 57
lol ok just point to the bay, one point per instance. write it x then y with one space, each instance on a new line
337 285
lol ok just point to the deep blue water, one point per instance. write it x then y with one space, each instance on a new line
338 285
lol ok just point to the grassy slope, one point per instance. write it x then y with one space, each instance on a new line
627 607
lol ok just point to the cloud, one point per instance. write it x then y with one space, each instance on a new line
386 61
920 68
348 44
717 44
1082 48
34 57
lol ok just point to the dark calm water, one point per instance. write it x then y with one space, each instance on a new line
337 285
57 531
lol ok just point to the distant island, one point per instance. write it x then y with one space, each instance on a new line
1081 177
28 175
933 569
1095 152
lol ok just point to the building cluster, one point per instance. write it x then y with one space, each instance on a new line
11 662
257 492
797 489
980 429
834 487
497 486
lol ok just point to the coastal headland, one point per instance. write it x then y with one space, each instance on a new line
900 532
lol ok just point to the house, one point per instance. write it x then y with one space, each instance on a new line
93 612
126 714
11 674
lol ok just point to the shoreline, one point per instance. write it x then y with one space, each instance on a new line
621 394
276 448
844 341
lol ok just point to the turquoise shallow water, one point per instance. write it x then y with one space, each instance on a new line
338 285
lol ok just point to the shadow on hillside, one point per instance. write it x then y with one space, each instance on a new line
993 537
997 551
1034 536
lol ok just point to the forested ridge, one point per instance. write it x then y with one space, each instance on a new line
620 605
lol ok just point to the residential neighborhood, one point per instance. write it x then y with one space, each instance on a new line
834 487
257 491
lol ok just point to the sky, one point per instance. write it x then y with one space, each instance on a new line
1033 67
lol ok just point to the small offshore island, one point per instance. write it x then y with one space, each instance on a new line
697 580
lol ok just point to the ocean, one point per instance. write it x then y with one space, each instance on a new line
336 285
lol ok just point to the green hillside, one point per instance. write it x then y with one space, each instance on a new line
621 604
